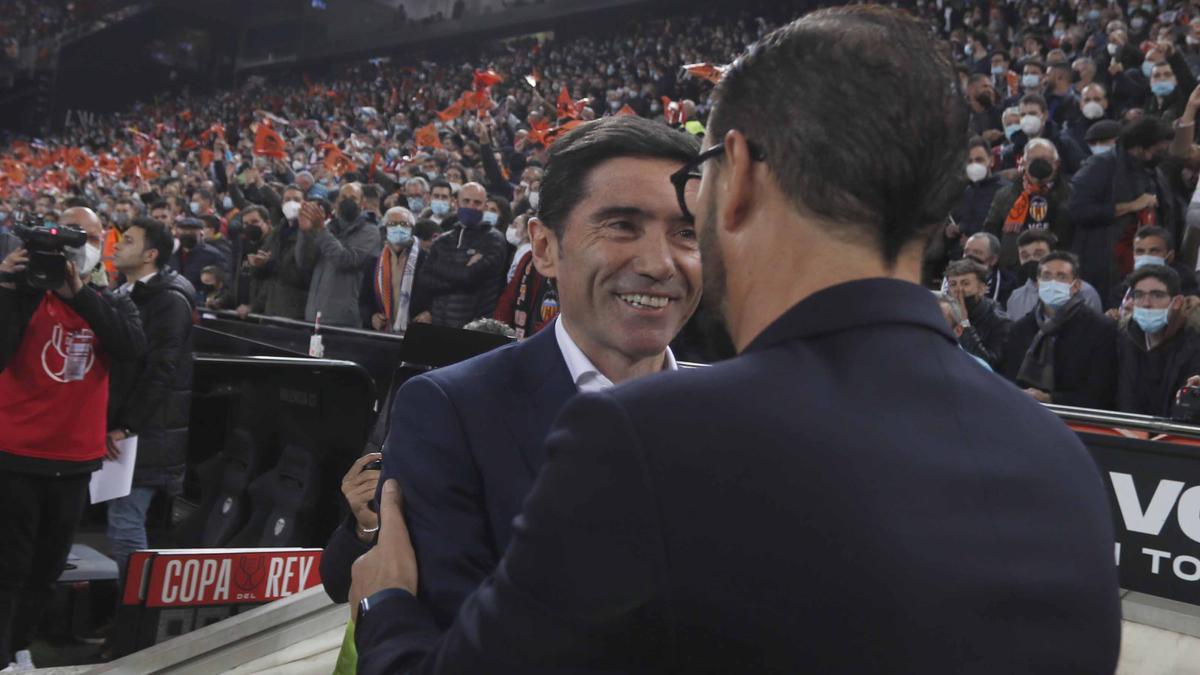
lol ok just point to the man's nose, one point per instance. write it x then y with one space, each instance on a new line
655 258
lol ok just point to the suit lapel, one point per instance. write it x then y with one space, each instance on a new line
541 386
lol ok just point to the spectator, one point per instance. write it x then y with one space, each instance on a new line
1037 202
1159 348
1155 246
986 326
45 464
1061 102
984 248
284 279
1062 352
213 237
1036 123
250 290
194 254
957 322
1093 101
1171 82
442 204
1112 196
1032 246
426 231
416 192
464 274
985 109
970 215
213 290
151 399
335 254
123 213
1102 137
398 266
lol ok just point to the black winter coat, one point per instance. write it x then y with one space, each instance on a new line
455 292
1085 358
1148 380
153 397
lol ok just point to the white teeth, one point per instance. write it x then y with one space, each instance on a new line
652 301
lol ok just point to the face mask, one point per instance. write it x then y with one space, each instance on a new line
1137 23
535 199
227 203
1011 130
348 210
470 217
1031 81
967 50
985 100
1147 68
195 206
208 289
513 236
491 218
999 70
1112 48
976 172
1028 271
91 259
1150 320
120 218
440 207
1031 124
455 187
174 173
416 204
1040 169
1093 15
1054 294
1163 88
1093 110
291 210
399 235
1141 261
188 241
297 165
1101 149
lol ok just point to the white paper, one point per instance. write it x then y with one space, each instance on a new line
115 479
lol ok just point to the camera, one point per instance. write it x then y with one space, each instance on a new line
1187 405
45 242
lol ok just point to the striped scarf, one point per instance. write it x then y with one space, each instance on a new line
384 292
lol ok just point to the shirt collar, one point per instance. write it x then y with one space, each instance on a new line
586 376
128 286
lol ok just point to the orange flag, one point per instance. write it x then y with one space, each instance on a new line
673 111
454 111
374 166
206 157
556 133
566 105
131 166
13 170
487 78
626 111
217 130
706 71
267 143
427 137
336 160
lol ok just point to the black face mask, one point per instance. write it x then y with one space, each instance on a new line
985 100
188 241
1040 169
252 234
1027 271
348 211
208 289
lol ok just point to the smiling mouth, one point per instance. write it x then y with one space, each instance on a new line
642 301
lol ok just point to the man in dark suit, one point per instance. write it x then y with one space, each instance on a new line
466 441
830 501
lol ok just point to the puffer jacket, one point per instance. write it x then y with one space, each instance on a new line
455 292
153 397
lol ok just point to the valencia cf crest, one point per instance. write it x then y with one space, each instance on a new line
1039 208
549 308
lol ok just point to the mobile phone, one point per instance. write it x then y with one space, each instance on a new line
373 466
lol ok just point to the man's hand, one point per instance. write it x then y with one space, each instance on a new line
312 217
112 452
359 489
423 317
391 563
243 311
71 285
378 321
1193 381
258 258
952 231
1038 395
474 259
15 262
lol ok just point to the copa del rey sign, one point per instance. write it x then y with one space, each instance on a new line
216 577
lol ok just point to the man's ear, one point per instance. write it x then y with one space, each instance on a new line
544 246
738 180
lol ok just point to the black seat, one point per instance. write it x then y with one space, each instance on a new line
225 503
282 502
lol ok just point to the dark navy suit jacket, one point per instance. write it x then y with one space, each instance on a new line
851 494
466 443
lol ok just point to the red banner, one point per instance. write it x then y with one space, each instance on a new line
196 577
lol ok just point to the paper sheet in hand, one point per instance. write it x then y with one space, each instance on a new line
115 479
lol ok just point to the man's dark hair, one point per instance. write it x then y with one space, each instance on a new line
77 201
372 192
211 223
1036 63
1060 67
203 194
160 204
1065 256
978 77
1163 273
1035 99
425 229
1003 53
1033 236
979 142
216 271
966 266
1146 133
886 184
260 210
505 210
440 183
1155 231
293 186
158 237
574 156
126 200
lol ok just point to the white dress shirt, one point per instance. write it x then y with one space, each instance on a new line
586 376
127 287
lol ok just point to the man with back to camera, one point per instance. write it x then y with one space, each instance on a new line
52 423
912 543
467 439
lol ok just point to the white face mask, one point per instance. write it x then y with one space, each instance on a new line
1031 124
513 236
976 172
1093 110
91 254
454 187
535 199
291 210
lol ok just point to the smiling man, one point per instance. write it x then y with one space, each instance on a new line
467 441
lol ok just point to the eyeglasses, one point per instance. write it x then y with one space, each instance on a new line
687 179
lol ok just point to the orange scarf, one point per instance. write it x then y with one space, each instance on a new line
1015 222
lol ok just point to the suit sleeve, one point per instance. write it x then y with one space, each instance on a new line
343 548
575 588
428 453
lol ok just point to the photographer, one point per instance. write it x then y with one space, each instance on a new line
56 349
